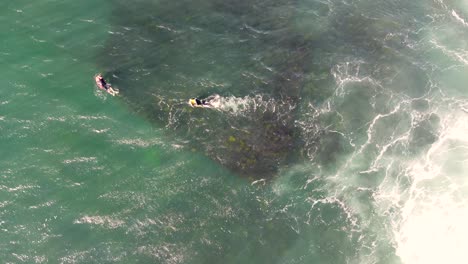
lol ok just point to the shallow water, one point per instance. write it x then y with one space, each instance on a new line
339 136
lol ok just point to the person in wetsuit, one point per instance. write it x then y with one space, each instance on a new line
197 102
102 81
104 85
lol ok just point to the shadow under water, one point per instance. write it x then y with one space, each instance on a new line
162 53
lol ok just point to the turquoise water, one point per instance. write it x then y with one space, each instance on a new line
339 133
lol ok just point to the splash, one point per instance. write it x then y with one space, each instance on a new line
241 106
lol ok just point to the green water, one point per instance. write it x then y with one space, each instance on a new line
339 136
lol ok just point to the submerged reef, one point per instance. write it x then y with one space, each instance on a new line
238 49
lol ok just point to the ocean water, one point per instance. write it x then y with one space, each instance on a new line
340 133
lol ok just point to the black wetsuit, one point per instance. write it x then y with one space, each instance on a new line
103 83
200 102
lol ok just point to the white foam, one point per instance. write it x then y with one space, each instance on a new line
165 252
459 19
100 131
37 40
351 72
104 221
422 200
138 142
92 117
433 226
457 55
87 20
240 105
80 160
17 188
